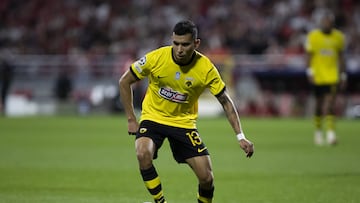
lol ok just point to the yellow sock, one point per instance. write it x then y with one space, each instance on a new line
318 122
203 199
330 122
205 196
153 184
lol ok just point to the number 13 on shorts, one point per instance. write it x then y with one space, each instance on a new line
194 138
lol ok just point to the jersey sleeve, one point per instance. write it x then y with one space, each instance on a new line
342 42
142 67
308 45
215 84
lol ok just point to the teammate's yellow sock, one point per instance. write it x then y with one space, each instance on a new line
330 122
317 122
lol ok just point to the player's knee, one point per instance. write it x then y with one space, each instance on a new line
207 179
144 152
144 157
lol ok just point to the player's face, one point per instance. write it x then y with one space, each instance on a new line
326 23
184 47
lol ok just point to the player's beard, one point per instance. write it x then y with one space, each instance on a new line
183 59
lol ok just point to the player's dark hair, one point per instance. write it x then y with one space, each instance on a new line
186 27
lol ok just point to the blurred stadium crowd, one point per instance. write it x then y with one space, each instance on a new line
136 26
69 42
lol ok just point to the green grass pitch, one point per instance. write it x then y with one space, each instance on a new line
92 159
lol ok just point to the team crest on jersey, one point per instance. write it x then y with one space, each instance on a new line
189 81
172 95
142 130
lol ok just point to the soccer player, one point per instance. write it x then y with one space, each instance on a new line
326 72
177 76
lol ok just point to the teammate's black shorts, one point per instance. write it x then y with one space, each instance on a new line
184 143
321 90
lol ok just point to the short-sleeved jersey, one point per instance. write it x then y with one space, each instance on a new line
325 49
173 90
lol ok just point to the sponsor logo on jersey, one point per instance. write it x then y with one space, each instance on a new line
326 52
202 149
172 95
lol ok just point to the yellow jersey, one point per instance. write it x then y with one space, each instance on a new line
173 90
325 49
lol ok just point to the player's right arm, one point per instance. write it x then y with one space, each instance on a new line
308 56
126 96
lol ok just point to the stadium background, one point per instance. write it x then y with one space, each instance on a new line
67 56
257 45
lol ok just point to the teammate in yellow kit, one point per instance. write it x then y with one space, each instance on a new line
177 76
326 72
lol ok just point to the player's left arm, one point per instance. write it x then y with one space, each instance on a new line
342 63
342 70
233 117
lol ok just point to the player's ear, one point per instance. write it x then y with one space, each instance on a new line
197 43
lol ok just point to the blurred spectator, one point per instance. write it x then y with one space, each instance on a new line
6 77
91 34
245 27
63 86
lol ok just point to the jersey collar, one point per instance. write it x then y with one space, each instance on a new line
191 60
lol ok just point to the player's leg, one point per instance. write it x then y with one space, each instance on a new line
329 106
187 147
145 150
201 165
319 102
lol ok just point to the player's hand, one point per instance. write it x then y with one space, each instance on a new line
247 146
310 79
133 126
343 84
310 75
